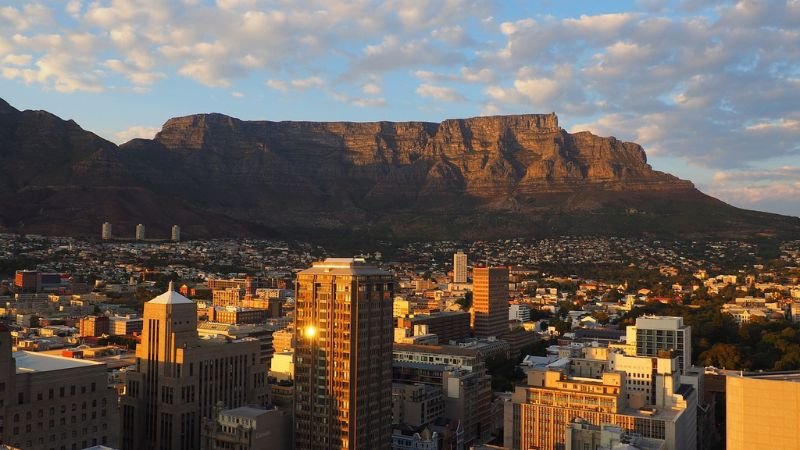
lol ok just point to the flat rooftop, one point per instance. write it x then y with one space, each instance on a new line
343 266
28 362
246 411
775 376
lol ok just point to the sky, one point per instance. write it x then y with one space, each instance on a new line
711 89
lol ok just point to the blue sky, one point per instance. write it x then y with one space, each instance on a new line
711 89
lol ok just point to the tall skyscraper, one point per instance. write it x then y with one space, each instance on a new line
343 356
140 232
106 233
460 267
489 301
180 378
176 233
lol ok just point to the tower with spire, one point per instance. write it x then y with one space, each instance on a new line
180 378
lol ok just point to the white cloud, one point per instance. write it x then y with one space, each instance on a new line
442 93
136 131
278 85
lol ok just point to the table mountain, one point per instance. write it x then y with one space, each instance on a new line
483 177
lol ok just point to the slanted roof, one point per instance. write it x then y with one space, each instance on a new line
41 362
170 297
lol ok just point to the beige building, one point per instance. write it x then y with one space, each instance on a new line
343 356
247 428
180 378
461 375
416 404
489 301
460 267
539 413
50 402
763 411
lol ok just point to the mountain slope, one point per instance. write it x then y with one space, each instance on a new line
478 178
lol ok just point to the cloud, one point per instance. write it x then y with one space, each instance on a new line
300 84
442 93
136 131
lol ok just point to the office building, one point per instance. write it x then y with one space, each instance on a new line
763 410
653 334
643 395
489 301
582 435
446 325
416 404
94 326
519 312
460 373
176 233
247 428
33 281
343 356
125 325
140 232
106 231
50 402
180 378
460 267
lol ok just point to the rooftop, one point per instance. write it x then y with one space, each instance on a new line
171 297
28 362
343 266
246 411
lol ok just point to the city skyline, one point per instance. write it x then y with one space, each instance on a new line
667 75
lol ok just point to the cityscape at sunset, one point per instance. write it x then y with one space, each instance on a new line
399 225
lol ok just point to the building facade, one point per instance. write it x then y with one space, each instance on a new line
763 411
106 231
180 378
343 356
489 301
50 402
140 236
460 267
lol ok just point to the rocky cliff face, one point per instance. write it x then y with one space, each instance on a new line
481 177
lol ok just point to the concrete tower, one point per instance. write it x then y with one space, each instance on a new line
106 233
140 232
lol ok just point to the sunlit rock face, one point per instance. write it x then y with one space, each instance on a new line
477 178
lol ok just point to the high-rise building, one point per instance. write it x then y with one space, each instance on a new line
180 378
490 301
48 401
653 334
343 356
763 410
176 233
140 232
460 267
106 233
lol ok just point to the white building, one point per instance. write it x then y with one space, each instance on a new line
653 334
140 232
176 233
519 312
106 233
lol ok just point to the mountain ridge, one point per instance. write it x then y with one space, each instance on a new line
480 177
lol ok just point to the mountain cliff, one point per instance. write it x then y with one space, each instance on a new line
483 177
